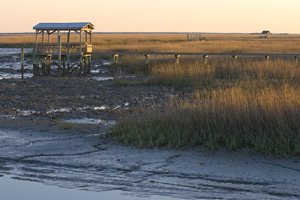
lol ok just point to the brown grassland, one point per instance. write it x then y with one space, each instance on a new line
220 43
247 103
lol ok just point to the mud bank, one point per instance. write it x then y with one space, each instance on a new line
83 159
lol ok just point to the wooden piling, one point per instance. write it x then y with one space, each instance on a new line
22 62
59 56
205 58
115 58
267 57
234 59
177 59
296 60
147 59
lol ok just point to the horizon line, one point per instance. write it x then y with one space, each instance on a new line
163 32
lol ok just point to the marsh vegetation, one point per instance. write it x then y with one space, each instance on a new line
241 104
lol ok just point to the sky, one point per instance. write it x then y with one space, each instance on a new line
278 16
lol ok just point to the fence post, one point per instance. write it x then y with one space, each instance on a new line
205 57
234 59
177 58
267 57
147 59
22 62
59 57
115 58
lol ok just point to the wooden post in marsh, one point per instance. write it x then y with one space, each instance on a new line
115 58
205 58
234 59
59 55
177 59
35 70
22 62
81 54
267 57
296 60
147 61
69 53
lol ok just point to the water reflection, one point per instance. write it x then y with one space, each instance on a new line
17 189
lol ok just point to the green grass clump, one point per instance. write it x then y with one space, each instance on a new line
67 126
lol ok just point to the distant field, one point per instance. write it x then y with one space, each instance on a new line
213 43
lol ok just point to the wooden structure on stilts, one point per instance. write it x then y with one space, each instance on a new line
62 55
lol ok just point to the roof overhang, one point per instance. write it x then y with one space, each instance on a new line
73 26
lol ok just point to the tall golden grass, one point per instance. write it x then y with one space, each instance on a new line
248 104
201 74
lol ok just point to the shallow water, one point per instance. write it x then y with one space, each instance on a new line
13 51
92 121
4 75
17 189
10 64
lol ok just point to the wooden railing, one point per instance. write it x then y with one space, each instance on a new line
73 48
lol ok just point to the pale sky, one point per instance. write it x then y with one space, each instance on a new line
155 15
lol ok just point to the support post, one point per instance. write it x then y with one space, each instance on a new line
86 36
205 58
35 70
267 57
43 35
59 54
234 59
177 59
147 59
115 58
91 37
68 41
48 37
296 60
81 53
22 62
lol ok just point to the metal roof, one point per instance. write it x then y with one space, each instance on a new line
63 26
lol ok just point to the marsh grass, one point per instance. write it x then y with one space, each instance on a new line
223 72
248 104
67 126
226 43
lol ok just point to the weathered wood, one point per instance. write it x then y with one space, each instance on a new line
205 58
147 60
59 52
22 63
177 58
267 57
115 58
43 35
63 54
68 46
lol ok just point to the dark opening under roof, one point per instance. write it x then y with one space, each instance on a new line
64 26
